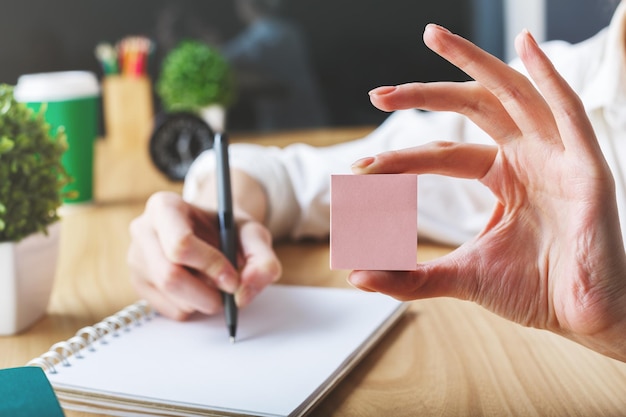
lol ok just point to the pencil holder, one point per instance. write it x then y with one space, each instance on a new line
128 111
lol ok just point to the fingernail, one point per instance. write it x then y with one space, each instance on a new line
227 283
525 31
210 308
355 283
363 163
437 27
380 91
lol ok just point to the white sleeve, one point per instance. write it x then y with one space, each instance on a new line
297 178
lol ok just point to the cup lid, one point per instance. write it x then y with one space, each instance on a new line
56 86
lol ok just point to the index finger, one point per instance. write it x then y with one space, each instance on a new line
172 222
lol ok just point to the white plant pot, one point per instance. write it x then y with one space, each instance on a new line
27 271
215 116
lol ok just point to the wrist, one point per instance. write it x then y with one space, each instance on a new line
604 328
249 198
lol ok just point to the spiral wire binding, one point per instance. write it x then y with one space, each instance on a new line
87 337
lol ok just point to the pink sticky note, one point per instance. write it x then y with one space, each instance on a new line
373 222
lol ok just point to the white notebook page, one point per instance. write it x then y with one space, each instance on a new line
290 342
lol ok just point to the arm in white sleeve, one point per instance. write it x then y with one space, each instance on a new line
297 178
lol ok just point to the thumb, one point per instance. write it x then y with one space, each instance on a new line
462 160
452 275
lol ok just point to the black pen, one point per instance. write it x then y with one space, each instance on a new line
228 230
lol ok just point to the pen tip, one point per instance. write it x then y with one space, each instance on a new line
232 340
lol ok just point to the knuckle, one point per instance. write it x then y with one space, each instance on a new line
162 199
388 157
178 315
179 250
158 197
136 226
444 145
261 231
136 282
171 281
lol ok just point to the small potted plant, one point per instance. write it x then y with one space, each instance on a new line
196 78
31 180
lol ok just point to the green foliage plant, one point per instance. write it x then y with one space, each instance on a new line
31 173
195 75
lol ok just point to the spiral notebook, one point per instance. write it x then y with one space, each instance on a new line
293 345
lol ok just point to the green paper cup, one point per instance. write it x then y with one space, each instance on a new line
71 101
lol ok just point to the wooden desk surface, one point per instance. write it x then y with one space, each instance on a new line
445 357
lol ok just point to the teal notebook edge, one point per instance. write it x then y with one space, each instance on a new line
26 392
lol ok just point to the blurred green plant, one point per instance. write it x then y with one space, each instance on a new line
31 173
195 75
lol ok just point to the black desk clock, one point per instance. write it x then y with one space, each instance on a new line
177 139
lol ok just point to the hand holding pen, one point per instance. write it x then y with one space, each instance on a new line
175 255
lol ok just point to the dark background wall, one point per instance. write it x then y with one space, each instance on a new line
355 44
576 20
